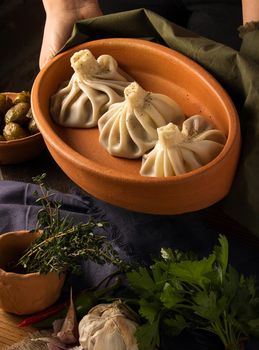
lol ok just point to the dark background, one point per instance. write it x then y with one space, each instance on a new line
21 30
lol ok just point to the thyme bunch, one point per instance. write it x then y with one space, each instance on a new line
62 245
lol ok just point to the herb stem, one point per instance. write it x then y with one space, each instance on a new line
46 241
61 245
220 332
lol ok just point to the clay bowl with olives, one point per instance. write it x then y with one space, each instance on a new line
20 139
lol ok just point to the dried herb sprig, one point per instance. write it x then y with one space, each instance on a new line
62 245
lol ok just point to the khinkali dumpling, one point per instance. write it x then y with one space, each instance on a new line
179 151
129 128
95 85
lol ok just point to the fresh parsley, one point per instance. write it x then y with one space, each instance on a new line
180 291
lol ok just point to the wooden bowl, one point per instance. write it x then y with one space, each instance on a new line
116 180
20 150
23 294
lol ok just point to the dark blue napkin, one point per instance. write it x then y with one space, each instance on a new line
136 236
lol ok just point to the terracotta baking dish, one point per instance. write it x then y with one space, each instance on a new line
116 180
20 150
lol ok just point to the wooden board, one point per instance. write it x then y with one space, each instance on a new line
9 332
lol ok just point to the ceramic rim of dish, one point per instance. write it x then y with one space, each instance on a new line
53 139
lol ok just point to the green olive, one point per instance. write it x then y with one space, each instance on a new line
13 131
32 127
29 114
17 113
5 104
23 96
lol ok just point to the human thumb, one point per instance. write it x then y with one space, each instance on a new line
56 33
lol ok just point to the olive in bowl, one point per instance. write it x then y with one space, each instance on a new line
20 139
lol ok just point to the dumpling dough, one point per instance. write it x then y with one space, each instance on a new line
179 151
129 128
94 86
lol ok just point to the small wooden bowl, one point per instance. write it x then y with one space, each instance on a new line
20 150
23 294
116 180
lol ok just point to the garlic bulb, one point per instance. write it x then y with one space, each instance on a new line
108 326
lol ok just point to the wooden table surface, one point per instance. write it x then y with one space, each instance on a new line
9 332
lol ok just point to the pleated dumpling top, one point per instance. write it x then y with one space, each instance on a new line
129 128
95 85
180 150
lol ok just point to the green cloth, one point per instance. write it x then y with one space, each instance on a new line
236 71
